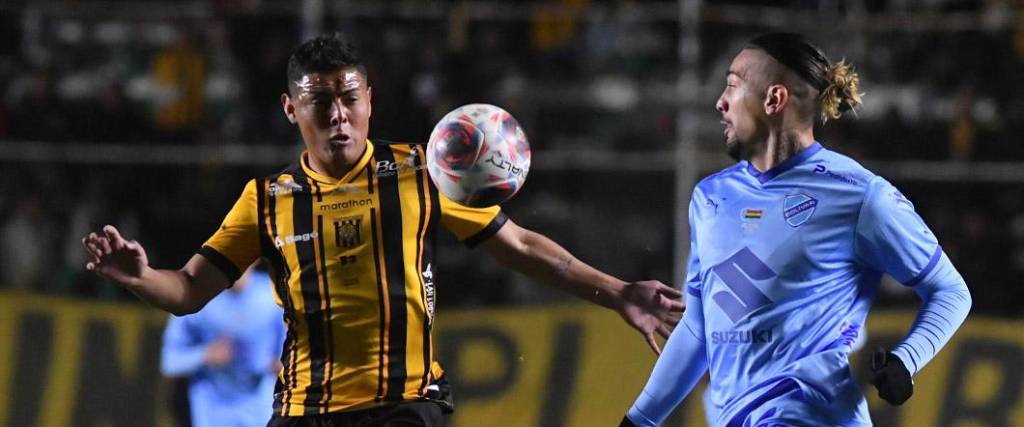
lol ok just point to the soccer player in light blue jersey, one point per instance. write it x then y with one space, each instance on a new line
787 248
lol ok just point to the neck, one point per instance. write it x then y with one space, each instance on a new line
781 145
336 166
335 169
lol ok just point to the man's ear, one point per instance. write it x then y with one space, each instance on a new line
288 107
776 99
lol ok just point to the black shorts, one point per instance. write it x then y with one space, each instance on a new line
404 414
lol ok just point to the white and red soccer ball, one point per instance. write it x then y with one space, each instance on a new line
478 155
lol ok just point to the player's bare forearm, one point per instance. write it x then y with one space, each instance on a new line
648 306
173 291
541 258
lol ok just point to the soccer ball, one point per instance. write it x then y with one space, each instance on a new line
478 155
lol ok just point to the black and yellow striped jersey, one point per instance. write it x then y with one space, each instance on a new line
352 261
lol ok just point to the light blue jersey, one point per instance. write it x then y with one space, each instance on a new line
241 393
783 268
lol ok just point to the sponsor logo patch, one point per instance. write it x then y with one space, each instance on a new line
756 336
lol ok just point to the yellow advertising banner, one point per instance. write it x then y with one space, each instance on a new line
74 363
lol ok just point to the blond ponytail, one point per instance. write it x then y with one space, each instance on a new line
841 94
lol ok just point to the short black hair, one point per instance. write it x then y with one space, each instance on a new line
323 54
797 54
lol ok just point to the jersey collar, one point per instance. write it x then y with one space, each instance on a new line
356 168
786 165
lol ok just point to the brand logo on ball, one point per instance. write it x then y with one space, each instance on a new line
496 160
478 155
798 208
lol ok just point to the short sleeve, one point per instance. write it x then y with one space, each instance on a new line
892 238
471 225
235 245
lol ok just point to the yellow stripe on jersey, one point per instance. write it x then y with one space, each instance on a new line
352 261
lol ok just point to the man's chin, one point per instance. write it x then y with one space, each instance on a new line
734 149
347 151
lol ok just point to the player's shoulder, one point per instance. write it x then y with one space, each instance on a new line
869 186
284 181
292 170
840 169
721 178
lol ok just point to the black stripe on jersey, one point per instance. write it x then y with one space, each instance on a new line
329 336
488 231
319 197
267 247
327 297
369 176
222 263
391 240
267 222
380 300
302 218
425 252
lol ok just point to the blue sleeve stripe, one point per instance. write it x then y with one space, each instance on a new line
914 357
928 268
695 293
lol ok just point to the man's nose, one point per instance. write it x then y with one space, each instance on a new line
338 113
721 106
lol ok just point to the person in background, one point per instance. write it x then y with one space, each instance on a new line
228 351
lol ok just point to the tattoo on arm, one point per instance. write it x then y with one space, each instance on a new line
564 262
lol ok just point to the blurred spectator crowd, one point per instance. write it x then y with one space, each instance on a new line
580 75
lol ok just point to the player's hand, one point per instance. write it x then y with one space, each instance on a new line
891 377
113 257
651 306
220 353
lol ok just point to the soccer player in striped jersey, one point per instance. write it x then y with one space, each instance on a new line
349 234
787 248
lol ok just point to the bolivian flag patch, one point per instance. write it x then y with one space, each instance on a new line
753 213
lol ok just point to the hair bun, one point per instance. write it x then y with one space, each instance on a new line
841 94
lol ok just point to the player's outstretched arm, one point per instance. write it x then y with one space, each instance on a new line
648 306
179 292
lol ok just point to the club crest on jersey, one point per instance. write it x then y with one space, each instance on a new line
798 208
346 232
